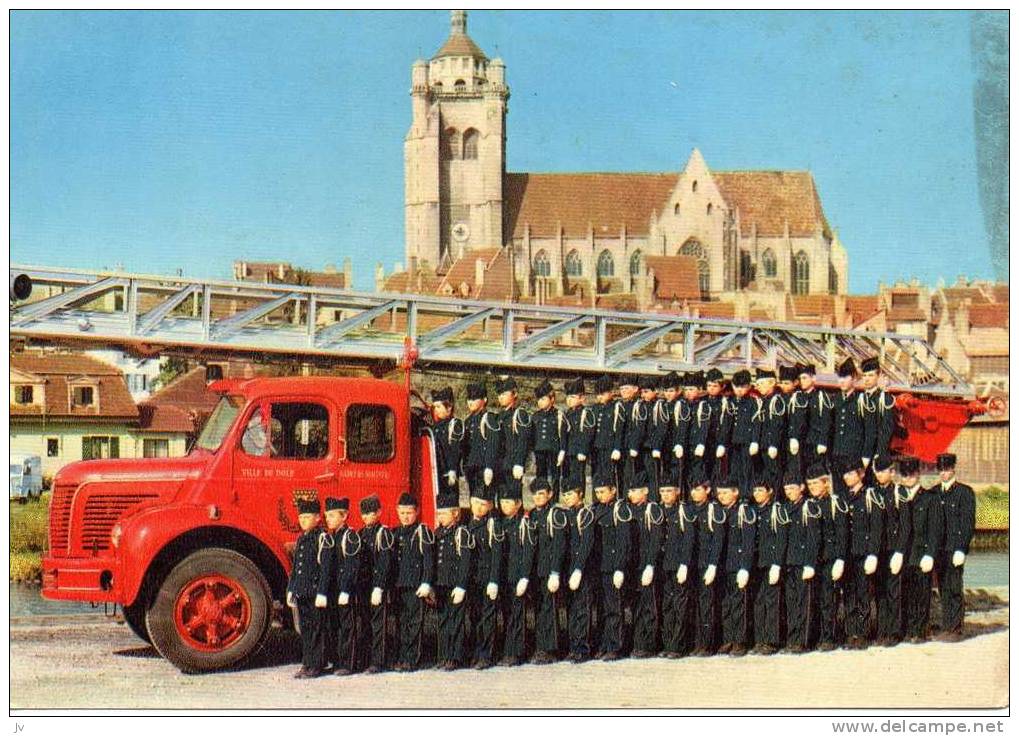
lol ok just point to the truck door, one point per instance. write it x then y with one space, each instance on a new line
369 461
286 452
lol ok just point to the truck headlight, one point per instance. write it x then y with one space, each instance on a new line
115 533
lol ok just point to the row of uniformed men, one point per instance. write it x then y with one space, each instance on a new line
662 431
709 574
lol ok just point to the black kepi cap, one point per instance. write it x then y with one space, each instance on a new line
337 504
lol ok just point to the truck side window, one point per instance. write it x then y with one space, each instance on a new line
371 433
299 431
253 439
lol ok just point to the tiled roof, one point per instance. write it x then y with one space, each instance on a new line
991 342
675 276
813 305
460 278
862 307
164 418
421 282
713 310
460 44
906 314
989 315
59 371
771 198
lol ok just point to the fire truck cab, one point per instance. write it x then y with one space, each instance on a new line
196 550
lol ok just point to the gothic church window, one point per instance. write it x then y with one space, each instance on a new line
470 144
636 263
451 144
694 249
574 266
606 265
542 268
769 263
801 273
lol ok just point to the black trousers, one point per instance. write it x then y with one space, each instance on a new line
767 615
859 594
545 467
482 612
611 610
371 648
917 586
772 469
889 601
707 610
574 474
798 604
475 480
451 624
513 609
341 639
579 603
678 612
735 611
950 587
603 469
827 592
652 473
411 621
312 634
546 619
634 473
741 470
645 615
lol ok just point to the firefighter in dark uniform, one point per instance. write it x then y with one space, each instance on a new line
834 542
740 531
549 525
551 432
958 510
374 581
654 452
340 566
679 533
449 437
643 589
483 590
801 561
452 571
818 415
515 439
847 423
866 527
683 417
581 421
415 570
709 546
773 427
706 426
512 566
878 412
481 452
671 460
924 548
638 427
609 433
308 589
582 564
796 406
741 429
769 561
895 546
613 550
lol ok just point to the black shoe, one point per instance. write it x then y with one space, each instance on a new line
373 670
309 674
795 649
609 656
341 672
577 658
509 661
542 658
725 648
826 646
738 650
450 666
301 673
482 664
641 654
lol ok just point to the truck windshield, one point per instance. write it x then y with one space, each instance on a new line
219 423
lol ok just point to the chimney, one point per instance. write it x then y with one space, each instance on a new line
348 273
380 277
479 274
962 317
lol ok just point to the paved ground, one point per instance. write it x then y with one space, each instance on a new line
79 662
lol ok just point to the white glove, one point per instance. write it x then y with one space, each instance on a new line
678 451
457 596
958 557
720 451
773 572
553 583
291 600
616 455
423 590
656 454
742 578
709 575
808 572
633 453
837 568
451 478
865 461
681 574
492 590
581 457
376 597
488 474
617 579
821 449
562 456
344 599
575 577
794 446
870 565
772 452
321 601
647 576
895 564
518 472
754 448
521 587
699 451
926 563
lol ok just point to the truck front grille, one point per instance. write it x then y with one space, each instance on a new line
60 518
101 513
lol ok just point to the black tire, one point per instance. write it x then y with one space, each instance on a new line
134 617
162 628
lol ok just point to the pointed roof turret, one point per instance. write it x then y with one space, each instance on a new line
459 43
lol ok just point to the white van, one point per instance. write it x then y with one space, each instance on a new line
26 477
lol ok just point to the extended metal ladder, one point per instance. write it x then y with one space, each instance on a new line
144 313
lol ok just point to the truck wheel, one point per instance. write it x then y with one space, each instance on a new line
134 616
211 612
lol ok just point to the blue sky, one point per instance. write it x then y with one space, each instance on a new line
167 140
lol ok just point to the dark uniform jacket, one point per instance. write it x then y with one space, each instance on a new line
847 425
660 429
550 430
819 416
834 528
583 535
483 533
306 579
480 448
898 518
679 537
613 540
375 569
740 536
415 555
798 416
513 550
580 423
551 536
803 546
645 522
705 424
453 547
958 507
341 562
680 414
866 522
449 440
773 524
610 425
878 412
742 421
927 525
711 520
773 421
515 437
638 420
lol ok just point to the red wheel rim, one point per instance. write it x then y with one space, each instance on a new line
212 612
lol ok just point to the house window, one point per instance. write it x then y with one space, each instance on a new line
155 447
451 144
606 265
96 448
769 263
82 396
371 433
636 263
23 394
52 447
542 268
470 144
574 266
801 273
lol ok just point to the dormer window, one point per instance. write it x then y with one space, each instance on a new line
82 396
24 394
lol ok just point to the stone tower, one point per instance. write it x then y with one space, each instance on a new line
455 152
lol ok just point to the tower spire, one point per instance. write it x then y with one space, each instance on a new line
458 22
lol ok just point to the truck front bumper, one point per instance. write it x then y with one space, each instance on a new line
92 579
